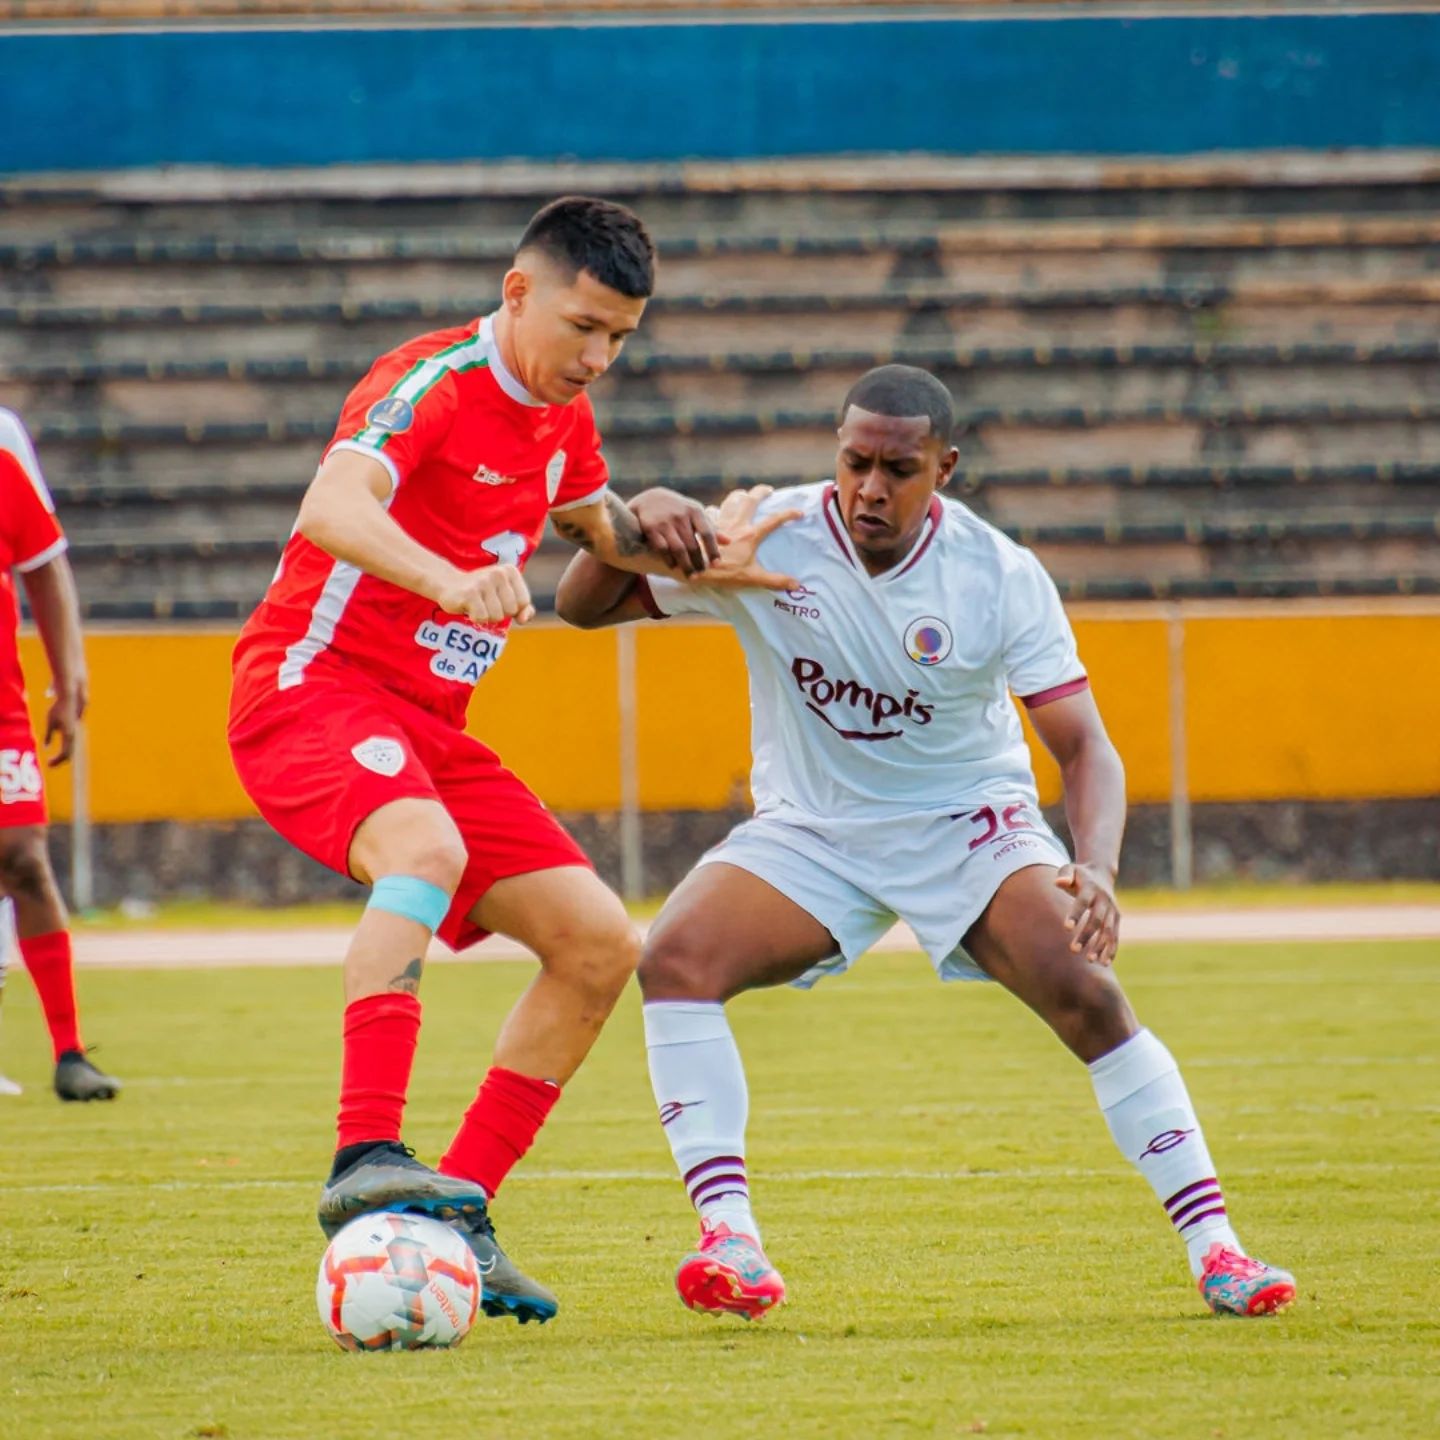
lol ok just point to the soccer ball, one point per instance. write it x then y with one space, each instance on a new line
392 1281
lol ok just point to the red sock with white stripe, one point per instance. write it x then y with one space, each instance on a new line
699 1084
1149 1113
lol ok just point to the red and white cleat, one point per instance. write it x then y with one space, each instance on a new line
729 1275
1234 1284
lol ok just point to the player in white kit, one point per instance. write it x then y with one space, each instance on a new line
891 779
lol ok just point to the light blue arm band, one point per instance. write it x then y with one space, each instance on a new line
416 900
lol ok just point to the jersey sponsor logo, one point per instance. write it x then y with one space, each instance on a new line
554 474
928 640
463 652
484 475
797 602
826 695
381 754
19 777
392 415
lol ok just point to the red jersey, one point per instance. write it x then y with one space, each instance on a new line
477 464
30 537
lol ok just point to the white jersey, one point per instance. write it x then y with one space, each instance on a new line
888 696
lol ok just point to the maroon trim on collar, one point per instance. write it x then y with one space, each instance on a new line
835 529
936 514
1055 692
646 596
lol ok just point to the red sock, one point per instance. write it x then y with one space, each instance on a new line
52 968
499 1127
380 1036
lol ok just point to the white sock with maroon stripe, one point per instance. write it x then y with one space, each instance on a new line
1150 1115
699 1085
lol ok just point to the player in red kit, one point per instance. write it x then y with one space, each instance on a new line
394 596
32 543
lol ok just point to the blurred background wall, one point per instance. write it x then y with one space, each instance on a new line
1180 269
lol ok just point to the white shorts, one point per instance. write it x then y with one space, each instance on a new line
937 875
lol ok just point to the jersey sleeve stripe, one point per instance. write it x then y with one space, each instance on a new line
422 377
371 453
589 499
49 553
1055 692
16 439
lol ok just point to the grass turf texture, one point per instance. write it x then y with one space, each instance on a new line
198 914
965 1251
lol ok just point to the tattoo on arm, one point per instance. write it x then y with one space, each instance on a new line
623 526
407 982
628 539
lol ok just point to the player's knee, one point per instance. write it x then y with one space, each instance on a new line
438 857
25 868
595 954
673 966
1090 1011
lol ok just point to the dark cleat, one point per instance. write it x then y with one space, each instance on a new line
505 1289
389 1177
77 1079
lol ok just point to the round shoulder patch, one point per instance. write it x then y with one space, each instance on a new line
928 640
392 415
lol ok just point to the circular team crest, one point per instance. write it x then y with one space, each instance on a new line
392 415
928 640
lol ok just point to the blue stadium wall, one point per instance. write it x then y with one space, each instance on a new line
669 91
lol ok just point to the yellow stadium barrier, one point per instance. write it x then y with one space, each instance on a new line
1303 701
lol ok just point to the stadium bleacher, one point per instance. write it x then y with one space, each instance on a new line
1180 378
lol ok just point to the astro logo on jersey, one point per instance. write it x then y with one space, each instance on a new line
797 602
463 653
823 692
928 640
392 415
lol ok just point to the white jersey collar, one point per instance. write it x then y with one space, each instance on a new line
830 503
504 377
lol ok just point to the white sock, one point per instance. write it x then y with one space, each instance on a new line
1149 1113
699 1085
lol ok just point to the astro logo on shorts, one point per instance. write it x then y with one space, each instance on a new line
928 640
381 754
392 415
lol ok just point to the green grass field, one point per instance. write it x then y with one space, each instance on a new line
965 1251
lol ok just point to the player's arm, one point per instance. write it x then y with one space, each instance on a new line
1094 782
343 512
55 605
661 533
592 595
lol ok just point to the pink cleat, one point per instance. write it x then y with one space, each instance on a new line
1234 1284
729 1275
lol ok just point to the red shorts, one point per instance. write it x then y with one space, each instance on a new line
22 791
319 759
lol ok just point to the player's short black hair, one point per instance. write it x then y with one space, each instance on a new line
904 390
580 232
